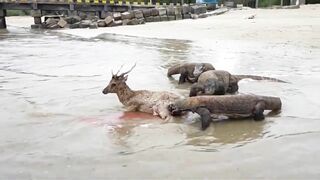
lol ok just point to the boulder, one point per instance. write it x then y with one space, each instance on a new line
170 11
154 12
127 15
171 18
125 21
164 18
194 16
133 21
62 23
141 21
85 24
203 15
117 16
75 25
149 19
146 12
105 14
116 23
93 25
101 23
185 9
138 14
186 16
162 11
177 10
196 9
156 18
108 20
36 26
178 16
72 19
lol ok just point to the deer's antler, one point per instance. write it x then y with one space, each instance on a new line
129 70
119 70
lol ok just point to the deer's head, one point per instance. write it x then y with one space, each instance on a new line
117 81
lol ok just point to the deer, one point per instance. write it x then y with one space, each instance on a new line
153 102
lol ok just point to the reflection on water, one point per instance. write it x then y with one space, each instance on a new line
54 116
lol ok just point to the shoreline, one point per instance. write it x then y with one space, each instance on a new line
269 25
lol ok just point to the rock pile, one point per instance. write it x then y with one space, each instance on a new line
135 17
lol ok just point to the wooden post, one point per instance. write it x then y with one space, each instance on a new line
257 3
281 3
3 24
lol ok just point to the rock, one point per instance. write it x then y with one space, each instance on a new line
72 19
133 21
51 21
186 16
85 24
138 14
108 20
194 16
75 25
170 11
149 19
62 23
198 9
211 7
171 18
154 12
141 21
116 23
53 26
186 9
82 15
162 11
203 15
177 10
178 16
93 25
156 18
127 15
93 18
164 18
36 26
117 16
146 12
101 23
125 21
105 14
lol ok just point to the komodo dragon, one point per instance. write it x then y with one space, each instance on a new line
219 82
228 106
189 71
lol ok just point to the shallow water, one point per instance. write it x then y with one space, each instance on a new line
56 123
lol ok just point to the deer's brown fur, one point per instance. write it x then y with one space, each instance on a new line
154 102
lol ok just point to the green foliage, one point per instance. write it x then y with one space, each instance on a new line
18 12
268 3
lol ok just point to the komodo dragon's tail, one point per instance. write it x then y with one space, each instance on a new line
239 77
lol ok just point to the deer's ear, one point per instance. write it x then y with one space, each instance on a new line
125 78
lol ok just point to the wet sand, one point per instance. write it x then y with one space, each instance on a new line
57 124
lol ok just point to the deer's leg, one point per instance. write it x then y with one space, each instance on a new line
205 117
258 111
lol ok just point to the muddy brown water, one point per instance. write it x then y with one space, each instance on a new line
56 123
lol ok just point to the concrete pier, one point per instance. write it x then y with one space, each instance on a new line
3 24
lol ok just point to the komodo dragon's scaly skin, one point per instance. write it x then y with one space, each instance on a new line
230 106
219 82
189 71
